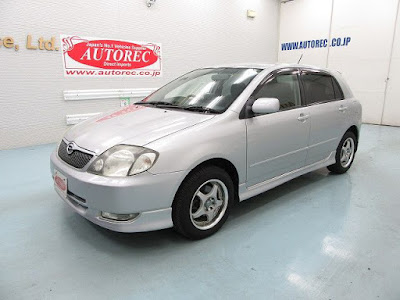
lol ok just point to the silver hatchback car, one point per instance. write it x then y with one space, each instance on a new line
185 154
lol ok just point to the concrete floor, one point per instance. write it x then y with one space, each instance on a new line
320 236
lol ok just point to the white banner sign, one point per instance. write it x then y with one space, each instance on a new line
88 56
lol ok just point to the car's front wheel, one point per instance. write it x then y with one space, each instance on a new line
202 203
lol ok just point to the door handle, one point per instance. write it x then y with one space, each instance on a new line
303 117
342 108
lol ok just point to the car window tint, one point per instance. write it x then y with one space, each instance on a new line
318 87
285 88
338 91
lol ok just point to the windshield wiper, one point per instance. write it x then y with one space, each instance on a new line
201 109
165 104
158 104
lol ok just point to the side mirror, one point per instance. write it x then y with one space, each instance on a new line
265 106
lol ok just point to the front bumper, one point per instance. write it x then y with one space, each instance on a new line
147 194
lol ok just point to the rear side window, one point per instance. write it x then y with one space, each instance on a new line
284 87
338 91
320 88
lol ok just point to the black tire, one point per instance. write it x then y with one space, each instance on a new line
182 214
338 167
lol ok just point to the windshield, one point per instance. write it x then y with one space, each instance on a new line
204 90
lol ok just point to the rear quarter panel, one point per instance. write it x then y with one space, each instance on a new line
354 115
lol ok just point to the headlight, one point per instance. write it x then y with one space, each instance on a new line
123 160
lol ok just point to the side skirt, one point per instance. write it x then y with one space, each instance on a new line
248 192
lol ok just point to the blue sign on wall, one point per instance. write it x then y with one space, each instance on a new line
319 43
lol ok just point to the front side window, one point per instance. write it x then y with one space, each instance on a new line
318 88
207 90
285 88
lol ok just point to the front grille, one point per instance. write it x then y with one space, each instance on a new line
77 159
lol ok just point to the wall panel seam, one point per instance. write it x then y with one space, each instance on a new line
390 61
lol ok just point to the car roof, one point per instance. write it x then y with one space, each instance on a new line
271 67
244 65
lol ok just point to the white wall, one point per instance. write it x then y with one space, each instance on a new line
297 25
391 111
365 61
193 34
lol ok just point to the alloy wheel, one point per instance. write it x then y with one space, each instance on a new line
347 152
209 204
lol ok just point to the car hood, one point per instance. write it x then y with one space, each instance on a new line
135 125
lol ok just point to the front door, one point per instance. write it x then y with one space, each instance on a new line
277 142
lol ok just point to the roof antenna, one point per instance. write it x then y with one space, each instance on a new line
300 58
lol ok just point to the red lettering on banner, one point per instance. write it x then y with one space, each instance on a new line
108 54
90 56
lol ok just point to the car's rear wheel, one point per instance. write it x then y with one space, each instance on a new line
202 203
345 153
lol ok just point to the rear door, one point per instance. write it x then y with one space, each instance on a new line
277 142
328 111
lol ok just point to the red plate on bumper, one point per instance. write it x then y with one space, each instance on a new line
60 183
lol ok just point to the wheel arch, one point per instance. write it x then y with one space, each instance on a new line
356 132
224 164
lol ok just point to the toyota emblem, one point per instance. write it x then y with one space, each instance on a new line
70 148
